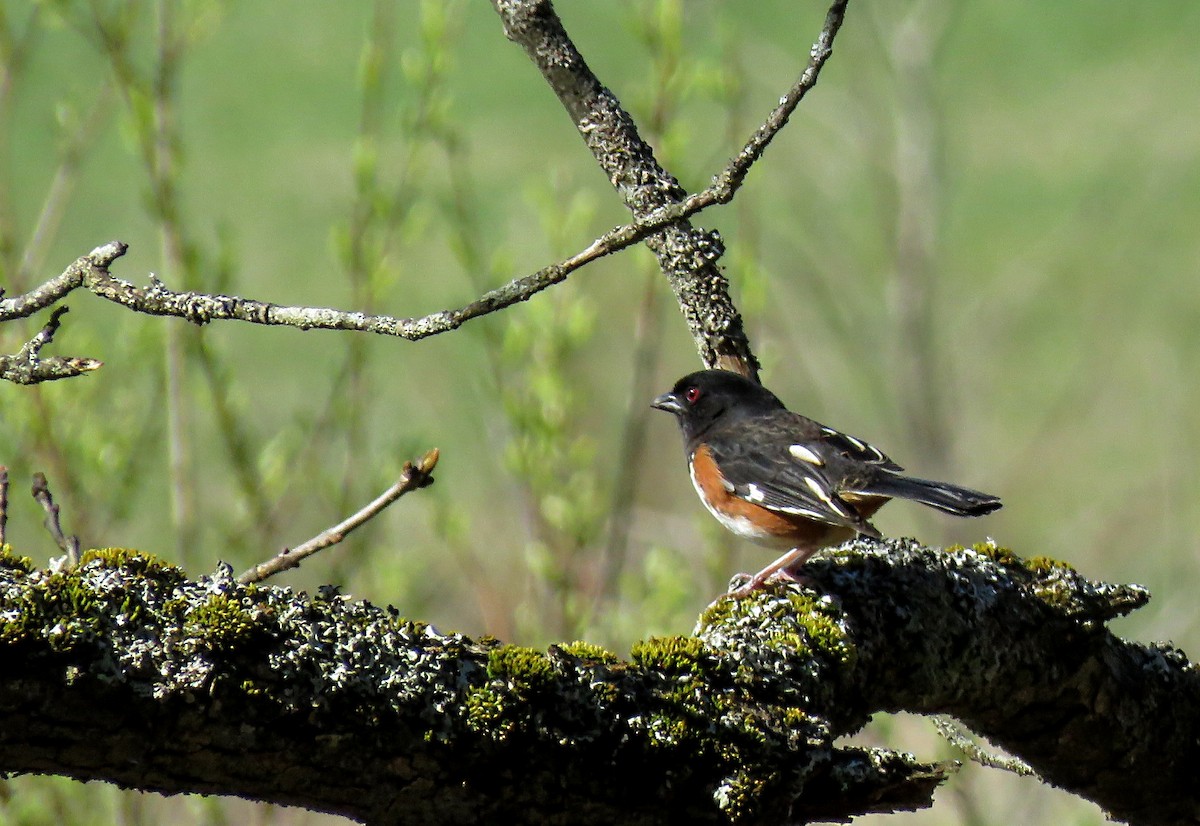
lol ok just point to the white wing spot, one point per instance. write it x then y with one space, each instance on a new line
823 495
804 454
812 514
754 493
816 488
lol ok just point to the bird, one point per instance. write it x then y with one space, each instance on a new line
784 481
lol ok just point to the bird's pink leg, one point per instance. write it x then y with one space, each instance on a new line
781 567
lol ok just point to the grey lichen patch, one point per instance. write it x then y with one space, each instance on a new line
737 794
157 632
61 611
718 696
780 637
797 628
1038 566
1059 585
824 630
66 608
563 696
1093 603
864 768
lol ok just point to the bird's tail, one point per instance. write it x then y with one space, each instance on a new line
941 495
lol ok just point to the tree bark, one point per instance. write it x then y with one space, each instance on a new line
125 670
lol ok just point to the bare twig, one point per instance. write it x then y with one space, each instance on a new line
411 478
27 367
16 46
91 273
78 141
68 544
731 178
921 374
3 504
95 263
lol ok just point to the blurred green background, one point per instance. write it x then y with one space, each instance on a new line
976 245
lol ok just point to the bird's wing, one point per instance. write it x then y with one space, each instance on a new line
854 449
792 465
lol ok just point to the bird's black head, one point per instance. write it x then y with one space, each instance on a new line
700 400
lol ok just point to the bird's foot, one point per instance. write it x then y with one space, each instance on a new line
786 569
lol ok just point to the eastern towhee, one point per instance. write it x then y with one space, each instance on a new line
782 480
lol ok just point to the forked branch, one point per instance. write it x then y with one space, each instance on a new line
659 204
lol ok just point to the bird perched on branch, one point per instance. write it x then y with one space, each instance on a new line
782 480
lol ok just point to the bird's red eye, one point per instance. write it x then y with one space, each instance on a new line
692 394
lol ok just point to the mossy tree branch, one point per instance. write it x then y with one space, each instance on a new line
125 670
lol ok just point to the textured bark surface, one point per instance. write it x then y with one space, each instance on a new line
1020 654
687 256
126 670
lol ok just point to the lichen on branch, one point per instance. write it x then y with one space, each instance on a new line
338 705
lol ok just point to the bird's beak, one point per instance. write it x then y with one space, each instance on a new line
668 402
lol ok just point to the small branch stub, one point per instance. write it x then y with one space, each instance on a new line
68 544
3 505
27 366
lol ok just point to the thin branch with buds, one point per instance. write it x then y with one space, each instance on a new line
411 478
